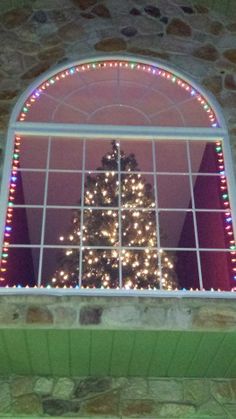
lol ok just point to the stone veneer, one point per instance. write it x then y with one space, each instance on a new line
140 313
122 398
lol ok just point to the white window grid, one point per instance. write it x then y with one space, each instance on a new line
82 207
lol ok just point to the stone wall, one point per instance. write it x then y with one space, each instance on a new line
117 313
117 398
184 33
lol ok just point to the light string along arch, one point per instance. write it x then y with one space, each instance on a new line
131 65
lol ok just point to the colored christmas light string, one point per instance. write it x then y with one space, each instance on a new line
99 65
9 215
228 223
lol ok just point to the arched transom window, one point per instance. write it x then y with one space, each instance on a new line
117 175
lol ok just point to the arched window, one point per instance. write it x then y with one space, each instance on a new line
120 178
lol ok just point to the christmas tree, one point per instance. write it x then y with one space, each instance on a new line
118 202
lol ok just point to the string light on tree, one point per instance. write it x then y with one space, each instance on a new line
122 235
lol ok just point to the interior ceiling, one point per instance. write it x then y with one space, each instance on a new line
118 96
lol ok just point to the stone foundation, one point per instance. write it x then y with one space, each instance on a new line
121 398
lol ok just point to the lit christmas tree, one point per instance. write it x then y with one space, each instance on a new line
117 184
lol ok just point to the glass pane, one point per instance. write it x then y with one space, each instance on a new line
22 267
100 228
173 191
169 277
136 156
139 228
216 270
61 267
101 190
186 269
140 268
62 227
100 268
66 153
211 232
176 229
203 157
207 192
33 152
137 191
171 156
64 189
30 188
101 155
26 226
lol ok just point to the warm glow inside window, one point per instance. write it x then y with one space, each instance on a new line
114 211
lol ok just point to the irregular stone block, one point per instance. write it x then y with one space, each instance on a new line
101 10
222 391
65 315
92 385
107 404
11 313
139 408
206 52
84 4
16 17
28 404
213 409
54 407
196 391
135 12
129 31
174 410
230 81
230 54
40 16
70 32
214 317
135 388
63 388
188 10
90 315
214 84
178 27
9 95
12 62
216 28
201 9
53 53
39 315
44 386
111 44
22 385
37 70
128 316
166 390
152 10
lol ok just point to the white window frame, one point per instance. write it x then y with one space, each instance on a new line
87 131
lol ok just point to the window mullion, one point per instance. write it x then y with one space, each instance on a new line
44 214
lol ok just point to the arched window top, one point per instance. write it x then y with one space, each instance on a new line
117 91
104 140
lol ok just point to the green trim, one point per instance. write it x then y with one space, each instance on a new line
117 353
